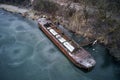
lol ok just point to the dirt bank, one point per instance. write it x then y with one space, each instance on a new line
29 13
91 24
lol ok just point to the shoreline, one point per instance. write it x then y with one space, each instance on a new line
28 13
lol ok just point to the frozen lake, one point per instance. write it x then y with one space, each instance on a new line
27 54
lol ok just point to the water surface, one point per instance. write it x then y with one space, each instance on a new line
27 54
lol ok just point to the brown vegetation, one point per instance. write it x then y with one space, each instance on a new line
98 19
45 6
102 25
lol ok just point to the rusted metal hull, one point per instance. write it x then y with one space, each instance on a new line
61 47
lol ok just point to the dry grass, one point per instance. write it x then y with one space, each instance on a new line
45 6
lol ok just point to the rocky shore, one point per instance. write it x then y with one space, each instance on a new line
76 23
29 13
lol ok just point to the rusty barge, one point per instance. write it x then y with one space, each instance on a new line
76 54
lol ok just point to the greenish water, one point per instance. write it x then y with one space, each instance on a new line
27 54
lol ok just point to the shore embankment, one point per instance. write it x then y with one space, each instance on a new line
29 13
91 33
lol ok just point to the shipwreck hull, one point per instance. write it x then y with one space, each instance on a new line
65 51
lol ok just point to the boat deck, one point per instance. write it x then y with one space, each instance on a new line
69 47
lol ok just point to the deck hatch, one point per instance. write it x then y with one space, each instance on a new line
68 46
61 39
53 32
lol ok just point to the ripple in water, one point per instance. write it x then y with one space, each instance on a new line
20 28
1 36
27 54
16 54
11 19
6 38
